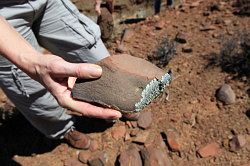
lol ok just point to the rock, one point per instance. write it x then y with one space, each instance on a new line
206 13
131 116
237 142
72 162
123 79
127 137
141 137
159 25
134 133
118 132
130 157
226 94
145 120
181 38
173 140
127 35
209 150
187 49
84 156
121 48
94 146
134 124
152 156
194 4
215 7
106 23
100 159
207 28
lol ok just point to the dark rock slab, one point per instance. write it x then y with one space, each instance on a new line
121 84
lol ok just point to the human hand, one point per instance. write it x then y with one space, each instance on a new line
57 76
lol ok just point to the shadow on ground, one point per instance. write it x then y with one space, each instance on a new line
19 137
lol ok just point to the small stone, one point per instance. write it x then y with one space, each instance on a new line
181 38
195 4
134 124
237 142
127 35
118 132
226 94
209 150
134 133
72 162
84 156
187 49
100 159
159 25
141 137
94 146
172 140
207 28
121 48
206 13
152 156
145 120
127 137
130 157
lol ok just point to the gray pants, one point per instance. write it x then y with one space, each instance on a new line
57 26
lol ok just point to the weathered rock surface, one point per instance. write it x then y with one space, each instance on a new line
154 157
226 94
209 150
121 84
130 157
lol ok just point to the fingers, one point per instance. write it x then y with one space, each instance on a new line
98 6
82 70
90 110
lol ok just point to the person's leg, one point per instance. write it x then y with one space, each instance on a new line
64 31
29 96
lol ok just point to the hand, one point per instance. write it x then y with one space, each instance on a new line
57 76
98 6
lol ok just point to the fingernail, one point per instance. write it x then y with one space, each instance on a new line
95 71
118 115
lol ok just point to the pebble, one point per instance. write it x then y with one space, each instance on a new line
172 140
237 142
141 137
209 150
130 157
145 120
181 38
118 132
226 95
84 156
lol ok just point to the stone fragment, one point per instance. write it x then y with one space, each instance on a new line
237 142
209 150
134 124
145 120
100 159
194 4
121 48
106 23
127 137
118 132
141 137
94 146
207 28
152 156
134 133
159 25
187 49
130 157
123 79
226 94
84 156
72 162
173 140
181 38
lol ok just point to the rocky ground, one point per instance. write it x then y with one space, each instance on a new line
205 121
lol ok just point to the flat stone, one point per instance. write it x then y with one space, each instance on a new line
173 140
84 156
121 84
154 157
237 142
141 137
160 25
130 157
145 120
105 21
226 95
209 150
118 132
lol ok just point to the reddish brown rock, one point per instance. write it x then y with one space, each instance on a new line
105 21
130 157
145 120
100 159
134 133
209 150
181 38
141 137
84 156
123 80
93 146
173 140
154 157
160 25
118 132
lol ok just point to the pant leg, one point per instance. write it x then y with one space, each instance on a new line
64 31
30 97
